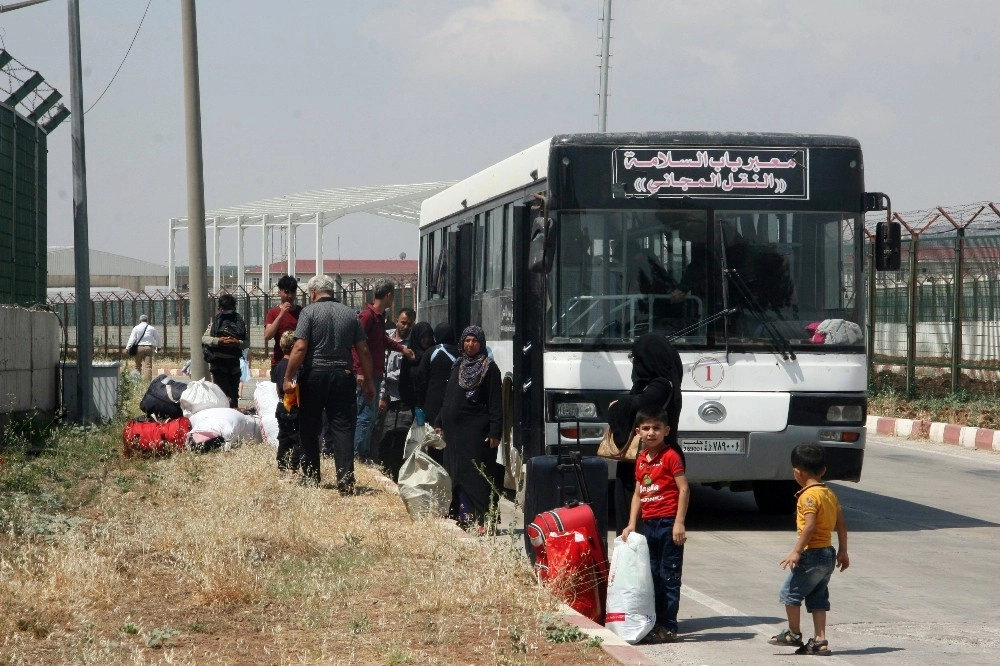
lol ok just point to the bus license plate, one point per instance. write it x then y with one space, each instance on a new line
712 445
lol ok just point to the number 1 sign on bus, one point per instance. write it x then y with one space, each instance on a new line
746 250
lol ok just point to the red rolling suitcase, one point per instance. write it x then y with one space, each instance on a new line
546 534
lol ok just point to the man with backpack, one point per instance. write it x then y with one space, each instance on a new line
223 344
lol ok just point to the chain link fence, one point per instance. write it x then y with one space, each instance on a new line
938 315
116 312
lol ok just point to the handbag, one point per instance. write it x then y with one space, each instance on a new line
608 449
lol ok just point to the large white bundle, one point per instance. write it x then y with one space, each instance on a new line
424 486
631 609
202 394
231 424
265 399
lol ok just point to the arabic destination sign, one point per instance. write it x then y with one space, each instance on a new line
733 173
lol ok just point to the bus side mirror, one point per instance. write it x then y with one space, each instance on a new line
887 246
541 249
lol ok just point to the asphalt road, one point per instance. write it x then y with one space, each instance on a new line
922 588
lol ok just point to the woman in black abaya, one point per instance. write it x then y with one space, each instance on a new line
657 373
471 421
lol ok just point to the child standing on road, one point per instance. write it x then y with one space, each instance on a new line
661 494
813 558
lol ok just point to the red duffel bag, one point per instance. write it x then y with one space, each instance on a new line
144 435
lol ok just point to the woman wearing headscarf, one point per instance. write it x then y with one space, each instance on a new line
421 340
657 373
431 377
471 421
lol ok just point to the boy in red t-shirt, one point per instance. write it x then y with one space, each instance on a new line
661 494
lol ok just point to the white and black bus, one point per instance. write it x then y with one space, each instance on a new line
745 249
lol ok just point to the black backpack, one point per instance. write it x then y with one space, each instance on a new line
163 397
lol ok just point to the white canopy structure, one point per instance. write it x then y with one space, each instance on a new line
316 208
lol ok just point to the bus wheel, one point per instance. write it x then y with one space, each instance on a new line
775 498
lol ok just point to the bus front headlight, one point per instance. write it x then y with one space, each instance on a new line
844 413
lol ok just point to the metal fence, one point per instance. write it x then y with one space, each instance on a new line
115 312
938 315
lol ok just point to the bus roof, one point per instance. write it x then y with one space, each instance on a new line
512 173
515 172
707 139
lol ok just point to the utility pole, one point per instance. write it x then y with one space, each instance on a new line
81 242
197 257
602 96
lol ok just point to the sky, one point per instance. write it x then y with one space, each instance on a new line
299 95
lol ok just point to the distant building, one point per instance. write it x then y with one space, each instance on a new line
358 271
106 270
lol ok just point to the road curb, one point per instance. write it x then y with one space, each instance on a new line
967 437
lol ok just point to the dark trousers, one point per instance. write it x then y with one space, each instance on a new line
227 378
289 447
389 449
667 561
331 391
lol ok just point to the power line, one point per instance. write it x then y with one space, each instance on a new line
123 59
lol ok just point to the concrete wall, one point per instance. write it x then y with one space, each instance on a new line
29 357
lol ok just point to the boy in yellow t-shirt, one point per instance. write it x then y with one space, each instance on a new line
813 558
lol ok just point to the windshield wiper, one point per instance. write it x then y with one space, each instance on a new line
703 322
781 343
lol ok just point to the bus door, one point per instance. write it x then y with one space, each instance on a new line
529 299
460 277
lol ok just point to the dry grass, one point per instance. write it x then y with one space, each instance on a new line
212 559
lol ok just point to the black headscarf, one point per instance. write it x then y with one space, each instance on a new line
444 334
408 370
654 363
419 330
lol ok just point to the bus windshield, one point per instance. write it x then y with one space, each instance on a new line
706 278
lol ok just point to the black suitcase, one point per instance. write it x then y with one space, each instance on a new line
566 479
163 398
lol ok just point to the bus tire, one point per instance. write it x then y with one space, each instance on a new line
775 498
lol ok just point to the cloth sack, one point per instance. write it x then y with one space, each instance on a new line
631 610
265 399
608 449
421 436
202 394
230 424
424 486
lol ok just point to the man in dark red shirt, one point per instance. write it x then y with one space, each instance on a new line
282 317
372 319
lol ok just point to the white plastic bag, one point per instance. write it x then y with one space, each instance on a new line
421 435
509 457
424 486
202 394
631 608
265 399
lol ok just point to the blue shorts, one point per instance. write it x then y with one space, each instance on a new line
808 581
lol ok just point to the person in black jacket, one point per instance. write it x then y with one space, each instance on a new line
434 371
223 344
657 373
471 422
